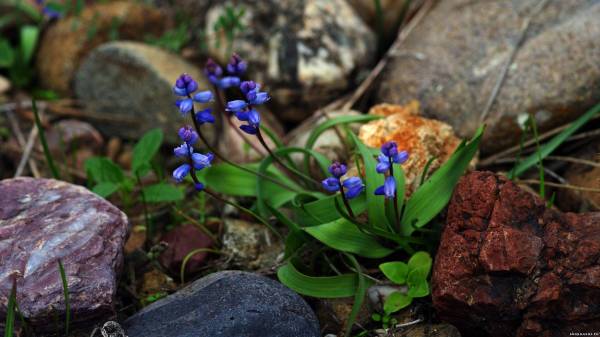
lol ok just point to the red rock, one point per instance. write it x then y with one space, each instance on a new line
44 220
181 241
509 266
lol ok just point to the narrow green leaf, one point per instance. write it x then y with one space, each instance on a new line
434 194
344 285
42 135
162 192
396 272
146 148
29 38
65 284
396 301
343 235
555 142
105 189
9 326
375 204
7 54
324 210
359 297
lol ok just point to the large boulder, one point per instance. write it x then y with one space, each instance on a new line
508 266
306 52
130 85
227 304
43 221
69 40
453 59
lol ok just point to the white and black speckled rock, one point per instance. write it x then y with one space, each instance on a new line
131 83
227 304
44 220
305 51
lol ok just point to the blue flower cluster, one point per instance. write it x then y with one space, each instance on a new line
353 186
49 10
243 109
197 161
235 68
389 155
185 86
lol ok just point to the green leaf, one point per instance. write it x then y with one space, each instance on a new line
29 38
420 260
396 272
343 235
65 284
162 192
434 194
417 282
146 148
7 54
324 210
396 301
10 312
555 142
375 204
344 285
105 189
359 297
101 169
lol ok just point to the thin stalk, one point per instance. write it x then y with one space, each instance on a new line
38 124
65 284
278 161
396 210
346 202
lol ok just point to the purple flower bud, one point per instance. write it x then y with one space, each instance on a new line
331 184
247 86
184 105
185 85
236 66
180 172
199 187
188 135
228 82
401 158
205 116
242 116
203 96
191 87
389 149
256 98
179 91
383 164
354 186
201 161
211 68
249 129
253 118
235 106
337 169
183 150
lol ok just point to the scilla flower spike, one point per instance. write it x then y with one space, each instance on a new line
349 188
385 165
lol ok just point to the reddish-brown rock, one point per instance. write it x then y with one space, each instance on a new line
180 242
43 221
508 266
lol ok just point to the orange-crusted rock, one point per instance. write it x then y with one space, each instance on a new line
68 41
423 138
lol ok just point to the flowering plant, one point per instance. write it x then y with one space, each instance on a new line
349 219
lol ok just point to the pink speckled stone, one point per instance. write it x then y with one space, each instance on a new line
44 220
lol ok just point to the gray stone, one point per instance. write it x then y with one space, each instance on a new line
70 134
306 52
250 246
427 330
228 304
130 85
43 221
452 60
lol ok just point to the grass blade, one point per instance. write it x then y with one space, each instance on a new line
359 297
42 136
65 285
9 327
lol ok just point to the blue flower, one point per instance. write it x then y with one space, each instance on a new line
199 186
205 116
213 71
184 105
354 186
236 66
256 98
389 154
203 96
181 172
337 169
249 129
331 184
188 135
253 119
185 85
389 149
228 82
236 106
388 189
383 164
202 160
247 86
183 150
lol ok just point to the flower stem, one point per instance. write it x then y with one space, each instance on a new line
346 202
396 210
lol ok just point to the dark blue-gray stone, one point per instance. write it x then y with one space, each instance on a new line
228 304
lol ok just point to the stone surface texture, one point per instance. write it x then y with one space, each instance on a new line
427 330
509 266
70 134
423 138
130 84
43 221
250 246
305 52
227 304
181 241
65 43
452 60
